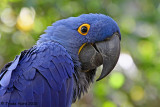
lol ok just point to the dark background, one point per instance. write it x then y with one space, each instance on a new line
135 82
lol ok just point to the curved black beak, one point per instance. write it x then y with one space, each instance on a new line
105 52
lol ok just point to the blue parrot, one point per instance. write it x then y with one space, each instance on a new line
62 64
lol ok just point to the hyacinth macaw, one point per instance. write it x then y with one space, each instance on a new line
62 64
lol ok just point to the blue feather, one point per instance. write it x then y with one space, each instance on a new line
40 76
30 74
19 86
5 98
46 100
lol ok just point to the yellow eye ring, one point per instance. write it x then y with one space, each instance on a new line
83 29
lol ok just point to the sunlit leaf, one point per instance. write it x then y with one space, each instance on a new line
137 93
109 104
146 50
116 80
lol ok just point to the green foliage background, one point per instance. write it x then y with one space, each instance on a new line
135 82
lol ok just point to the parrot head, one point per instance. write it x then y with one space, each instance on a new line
91 40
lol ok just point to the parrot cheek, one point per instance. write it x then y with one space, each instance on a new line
104 53
90 58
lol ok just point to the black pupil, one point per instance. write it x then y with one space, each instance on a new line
84 29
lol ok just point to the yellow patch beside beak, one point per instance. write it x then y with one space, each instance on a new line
81 48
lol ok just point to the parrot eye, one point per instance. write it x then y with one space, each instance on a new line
83 29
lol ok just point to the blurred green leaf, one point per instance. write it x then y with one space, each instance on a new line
109 104
116 80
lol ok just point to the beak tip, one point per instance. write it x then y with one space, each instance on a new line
110 54
99 79
103 75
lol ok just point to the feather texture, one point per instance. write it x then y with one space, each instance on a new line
40 76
